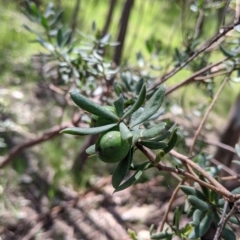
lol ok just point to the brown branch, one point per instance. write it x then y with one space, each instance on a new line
208 112
214 185
47 135
220 145
192 77
164 219
198 52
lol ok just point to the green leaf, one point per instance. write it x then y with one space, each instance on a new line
134 178
59 37
176 217
228 234
140 100
152 106
190 211
205 190
198 203
152 132
192 191
151 229
234 220
56 18
91 150
119 105
139 86
205 223
153 144
197 216
226 52
90 106
201 229
88 131
135 116
125 132
161 235
166 134
172 142
44 22
121 170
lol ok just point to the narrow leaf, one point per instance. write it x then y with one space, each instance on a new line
205 223
121 170
119 105
135 116
166 134
139 86
172 142
161 235
91 150
152 106
125 132
197 216
192 191
134 178
153 144
228 234
90 106
198 203
140 100
153 131
88 131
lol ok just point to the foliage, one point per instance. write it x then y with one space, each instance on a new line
123 106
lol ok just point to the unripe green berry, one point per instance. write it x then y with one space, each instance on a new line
111 148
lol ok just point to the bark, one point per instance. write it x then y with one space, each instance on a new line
230 135
122 31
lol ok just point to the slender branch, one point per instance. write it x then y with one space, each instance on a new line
214 186
208 112
164 219
198 52
213 181
229 178
47 135
192 77
220 145
225 168
221 222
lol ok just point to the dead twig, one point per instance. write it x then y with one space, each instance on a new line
208 111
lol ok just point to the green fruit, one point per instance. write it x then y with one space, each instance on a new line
111 148
97 121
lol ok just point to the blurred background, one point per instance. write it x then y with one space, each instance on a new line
49 188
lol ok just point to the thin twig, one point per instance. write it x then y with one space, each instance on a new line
208 112
164 219
192 77
47 135
201 50
212 180
213 185
221 222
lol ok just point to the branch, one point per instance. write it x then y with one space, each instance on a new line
198 52
47 135
164 219
214 185
208 112
192 78
221 222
